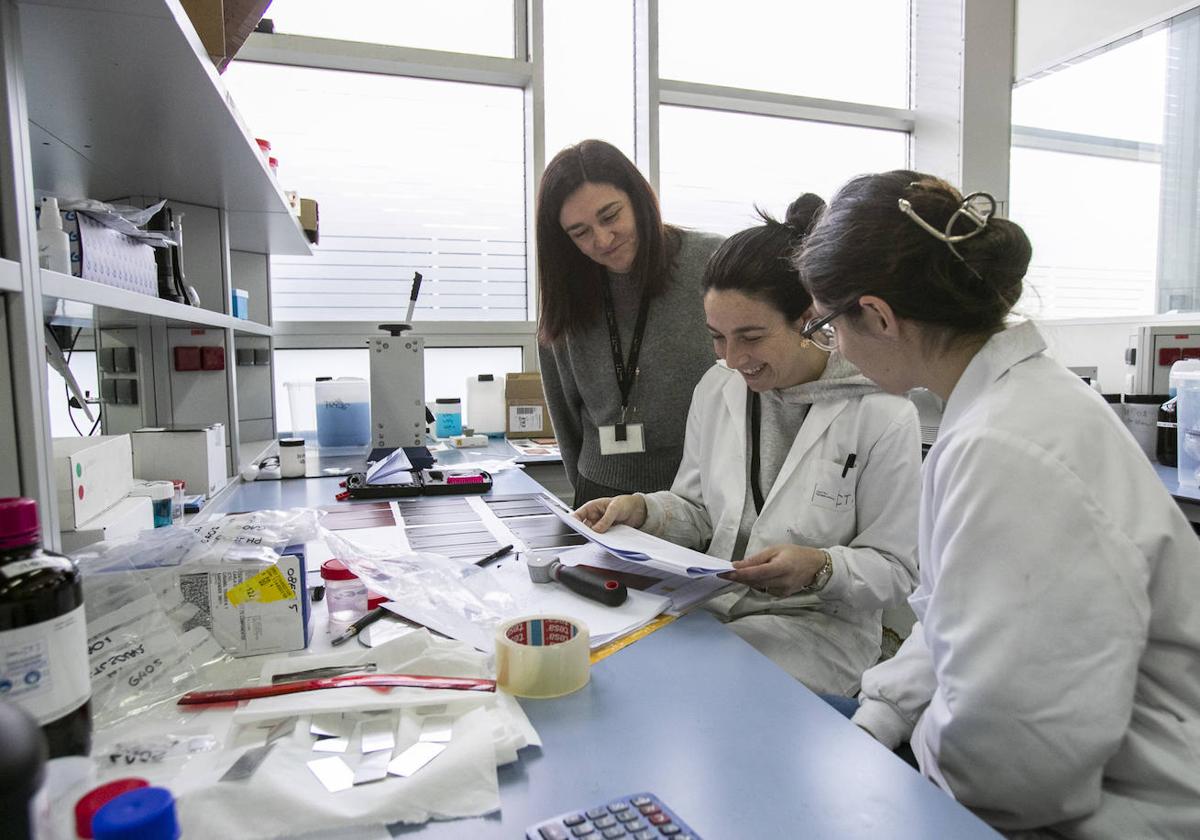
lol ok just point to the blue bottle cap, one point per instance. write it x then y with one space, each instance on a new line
144 814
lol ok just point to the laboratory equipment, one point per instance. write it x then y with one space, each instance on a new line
447 414
291 457
398 382
1188 414
640 816
302 406
343 412
607 591
345 594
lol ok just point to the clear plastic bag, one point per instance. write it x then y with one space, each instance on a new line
430 589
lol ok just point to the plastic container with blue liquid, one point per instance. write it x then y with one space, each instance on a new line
343 412
447 412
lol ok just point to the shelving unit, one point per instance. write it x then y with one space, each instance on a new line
10 276
117 99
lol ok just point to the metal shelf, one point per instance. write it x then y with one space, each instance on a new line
123 100
10 276
68 288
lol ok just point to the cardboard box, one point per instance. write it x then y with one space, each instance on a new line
91 474
310 220
125 518
526 414
194 453
224 26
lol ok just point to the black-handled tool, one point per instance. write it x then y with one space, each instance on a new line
607 591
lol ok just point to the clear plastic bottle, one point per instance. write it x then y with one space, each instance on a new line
54 246
345 595
43 635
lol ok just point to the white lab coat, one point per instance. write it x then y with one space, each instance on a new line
867 521
1054 677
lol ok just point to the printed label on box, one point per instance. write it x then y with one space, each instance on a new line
525 418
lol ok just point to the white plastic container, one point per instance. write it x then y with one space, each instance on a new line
1187 385
302 406
485 404
291 457
345 595
343 412
54 246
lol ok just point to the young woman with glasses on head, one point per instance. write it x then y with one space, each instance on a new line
795 466
1051 683
621 329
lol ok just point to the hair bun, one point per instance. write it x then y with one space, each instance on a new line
802 212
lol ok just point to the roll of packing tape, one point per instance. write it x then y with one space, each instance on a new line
542 656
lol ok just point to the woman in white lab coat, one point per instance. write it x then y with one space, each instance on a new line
795 466
1052 683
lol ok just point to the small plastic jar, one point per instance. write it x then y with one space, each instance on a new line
264 148
345 595
447 411
274 164
180 487
162 500
291 457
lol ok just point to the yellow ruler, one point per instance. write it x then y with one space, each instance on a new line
628 639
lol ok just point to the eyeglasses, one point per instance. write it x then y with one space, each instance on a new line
821 332
977 208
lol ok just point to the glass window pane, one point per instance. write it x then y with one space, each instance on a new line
1093 223
1118 93
482 27
706 187
404 183
589 74
856 52
446 372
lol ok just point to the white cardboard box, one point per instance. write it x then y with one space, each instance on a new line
194 453
91 474
126 517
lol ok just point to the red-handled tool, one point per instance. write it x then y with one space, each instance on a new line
229 695
608 591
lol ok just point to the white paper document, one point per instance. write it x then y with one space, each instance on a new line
632 544
683 592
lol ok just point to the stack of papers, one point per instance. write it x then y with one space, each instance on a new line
639 547
682 592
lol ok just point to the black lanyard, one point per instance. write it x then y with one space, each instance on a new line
755 422
626 370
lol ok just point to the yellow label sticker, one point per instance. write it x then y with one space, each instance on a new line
266 586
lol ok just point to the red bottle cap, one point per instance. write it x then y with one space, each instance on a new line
19 525
336 570
374 599
95 799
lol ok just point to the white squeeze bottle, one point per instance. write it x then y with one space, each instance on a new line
54 246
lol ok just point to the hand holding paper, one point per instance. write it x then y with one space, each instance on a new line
632 544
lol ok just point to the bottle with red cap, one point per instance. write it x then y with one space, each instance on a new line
43 635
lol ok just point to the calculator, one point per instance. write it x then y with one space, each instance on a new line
639 816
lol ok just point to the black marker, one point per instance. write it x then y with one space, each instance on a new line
495 555
849 464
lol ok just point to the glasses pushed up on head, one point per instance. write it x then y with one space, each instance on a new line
821 332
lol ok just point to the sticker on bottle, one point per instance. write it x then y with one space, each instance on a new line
20 567
266 586
44 667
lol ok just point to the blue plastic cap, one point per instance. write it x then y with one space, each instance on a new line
144 814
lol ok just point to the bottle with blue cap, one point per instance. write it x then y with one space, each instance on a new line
144 814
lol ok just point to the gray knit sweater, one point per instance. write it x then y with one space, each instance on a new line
581 385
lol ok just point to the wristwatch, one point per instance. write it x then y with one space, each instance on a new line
822 576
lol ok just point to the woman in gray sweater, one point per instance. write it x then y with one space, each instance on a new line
621 329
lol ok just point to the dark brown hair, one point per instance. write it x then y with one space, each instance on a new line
758 261
864 245
570 283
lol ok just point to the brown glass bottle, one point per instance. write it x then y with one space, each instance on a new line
43 636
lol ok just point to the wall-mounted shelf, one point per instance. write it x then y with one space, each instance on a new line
69 288
124 101
10 276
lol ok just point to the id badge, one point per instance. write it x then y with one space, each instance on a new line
621 439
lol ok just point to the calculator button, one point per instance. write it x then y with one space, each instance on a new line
636 825
658 819
617 807
614 832
605 822
597 813
641 800
648 834
627 816
574 819
583 830
648 809
553 832
669 829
